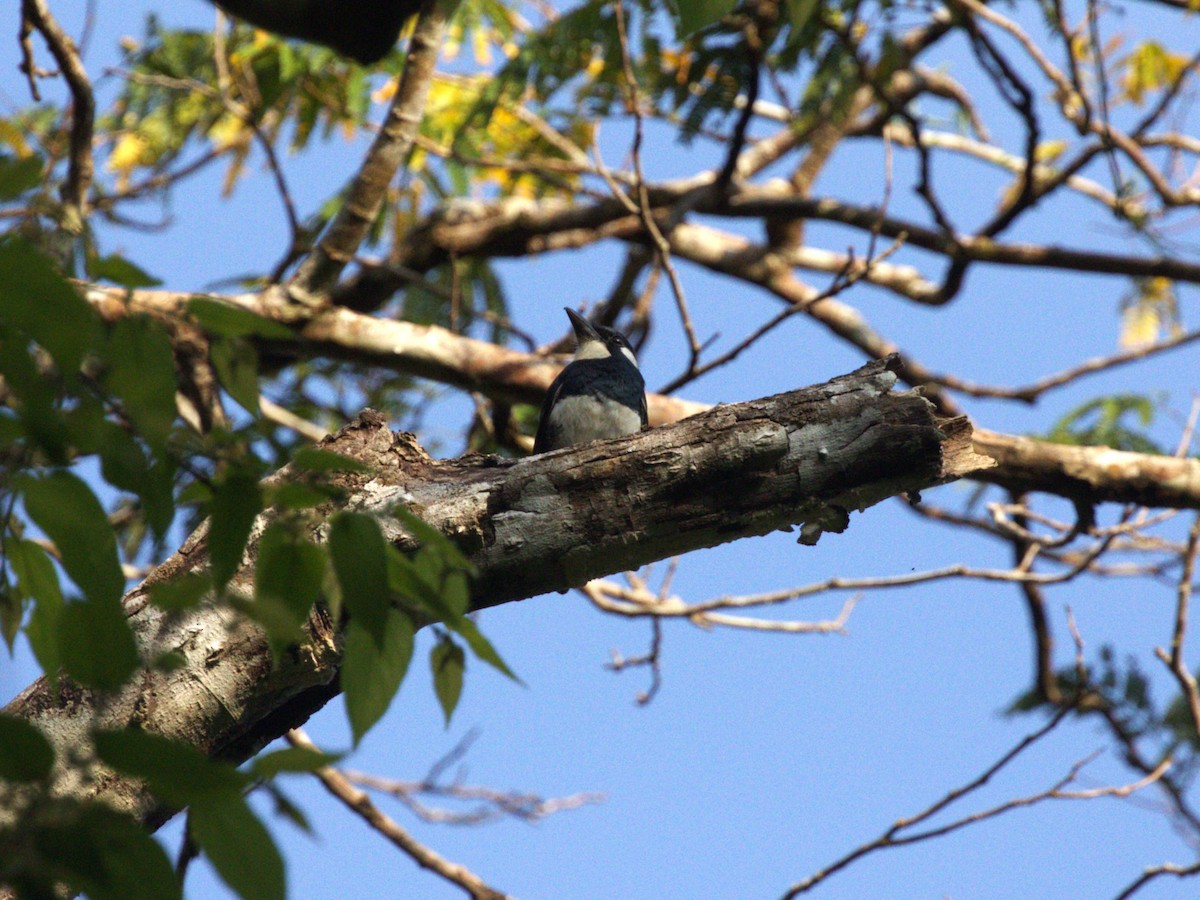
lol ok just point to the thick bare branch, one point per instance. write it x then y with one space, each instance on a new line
1093 473
546 523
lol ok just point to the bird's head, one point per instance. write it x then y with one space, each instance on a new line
596 341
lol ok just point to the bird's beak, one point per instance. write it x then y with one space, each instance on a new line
584 330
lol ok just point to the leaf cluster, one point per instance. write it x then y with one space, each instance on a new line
89 411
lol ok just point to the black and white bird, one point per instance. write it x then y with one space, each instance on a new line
600 394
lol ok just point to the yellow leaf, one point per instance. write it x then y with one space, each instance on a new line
1150 67
11 135
1149 312
386 91
229 131
1139 325
126 155
1048 151
1158 289
482 47
453 41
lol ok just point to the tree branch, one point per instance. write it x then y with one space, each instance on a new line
366 193
1097 474
83 110
425 857
546 523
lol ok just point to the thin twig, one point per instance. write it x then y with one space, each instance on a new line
644 208
1031 392
358 802
1174 661
489 804
894 836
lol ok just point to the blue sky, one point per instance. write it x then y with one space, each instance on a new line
764 757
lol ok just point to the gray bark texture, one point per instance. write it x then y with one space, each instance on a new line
545 523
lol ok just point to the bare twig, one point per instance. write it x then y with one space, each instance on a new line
488 804
1174 661
651 659
357 801
1031 392
644 208
1152 873
635 600
901 834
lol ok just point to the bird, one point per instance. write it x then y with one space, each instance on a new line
600 394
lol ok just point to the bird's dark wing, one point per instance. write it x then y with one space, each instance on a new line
645 412
541 443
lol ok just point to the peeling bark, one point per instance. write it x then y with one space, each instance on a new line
544 523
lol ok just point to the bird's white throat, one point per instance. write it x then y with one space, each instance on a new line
599 350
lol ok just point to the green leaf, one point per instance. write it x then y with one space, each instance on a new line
119 270
314 460
290 570
236 502
371 673
359 555
181 593
36 578
696 14
177 773
481 646
96 644
35 399
141 371
431 537
19 175
124 465
41 302
275 617
170 661
232 321
800 11
286 808
296 495
35 572
455 591
1102 422
12 614
419 588
291 759
135 864
448 663
239 846
107 855
236 364
67 510
25 754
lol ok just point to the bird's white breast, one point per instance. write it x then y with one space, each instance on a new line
585 418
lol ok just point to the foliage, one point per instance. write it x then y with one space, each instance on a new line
101 475
80 391
1103 422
